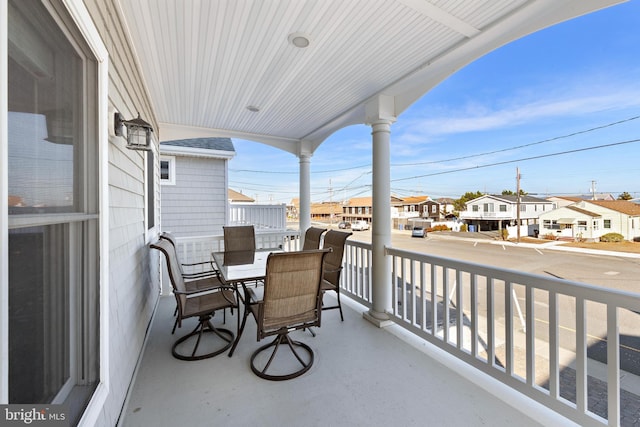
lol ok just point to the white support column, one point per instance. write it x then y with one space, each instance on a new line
304 215
381 224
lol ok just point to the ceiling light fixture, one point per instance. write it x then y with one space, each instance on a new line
299 40
253 108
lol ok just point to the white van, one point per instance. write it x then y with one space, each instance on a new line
359 225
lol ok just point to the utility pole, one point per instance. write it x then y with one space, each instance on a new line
518 203
593 190
330 203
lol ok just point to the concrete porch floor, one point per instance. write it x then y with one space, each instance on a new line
362 375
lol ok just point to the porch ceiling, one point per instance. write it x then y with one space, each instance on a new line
205 62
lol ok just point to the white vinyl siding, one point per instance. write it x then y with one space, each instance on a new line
133 282
197 203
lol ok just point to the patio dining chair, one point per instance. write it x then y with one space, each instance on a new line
312 238
291 301
200 305
202 281
335 240
239 238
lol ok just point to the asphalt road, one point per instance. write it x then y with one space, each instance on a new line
613 272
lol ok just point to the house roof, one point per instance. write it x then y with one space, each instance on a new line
326 208
582 211
415 199
218 144
361 201
230 68
589 197
623 206
200 147
445 200
512 198
368 201
235 196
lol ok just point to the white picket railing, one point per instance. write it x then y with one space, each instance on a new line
530 332
262 217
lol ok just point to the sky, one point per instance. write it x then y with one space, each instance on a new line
562 106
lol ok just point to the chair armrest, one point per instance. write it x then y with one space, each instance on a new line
210 271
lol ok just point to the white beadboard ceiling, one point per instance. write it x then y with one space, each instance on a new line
205 61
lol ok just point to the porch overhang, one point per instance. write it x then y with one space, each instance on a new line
566 221
227 68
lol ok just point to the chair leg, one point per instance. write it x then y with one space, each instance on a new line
280 339
175 325
204 326
339 306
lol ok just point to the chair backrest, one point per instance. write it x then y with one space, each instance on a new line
239 238
173 267
335 240
292 291
312 238
165 235
170 237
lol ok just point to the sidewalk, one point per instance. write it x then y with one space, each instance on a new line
492 238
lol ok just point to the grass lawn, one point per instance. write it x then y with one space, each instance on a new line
633 247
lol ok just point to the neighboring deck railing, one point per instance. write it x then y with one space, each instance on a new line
530 332
199 248
262 217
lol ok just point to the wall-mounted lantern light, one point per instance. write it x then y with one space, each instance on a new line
138 132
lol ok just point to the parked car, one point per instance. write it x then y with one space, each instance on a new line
360 225
418 232
344 224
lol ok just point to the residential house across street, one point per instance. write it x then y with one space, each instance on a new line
590 219
494 212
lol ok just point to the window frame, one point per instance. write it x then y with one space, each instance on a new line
68 15
171 160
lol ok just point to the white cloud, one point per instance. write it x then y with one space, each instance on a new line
478 117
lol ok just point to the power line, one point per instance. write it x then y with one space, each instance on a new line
521 146
519 160
455 158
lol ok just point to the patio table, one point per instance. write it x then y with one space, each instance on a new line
239 267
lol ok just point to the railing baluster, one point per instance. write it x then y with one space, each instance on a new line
508 320
491 315
403 289
473 290
394 289
423 295
530 336
434 300
459 309
581 355
445 304
554 346
613 366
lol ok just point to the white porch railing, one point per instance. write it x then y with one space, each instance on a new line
530 332
262 217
